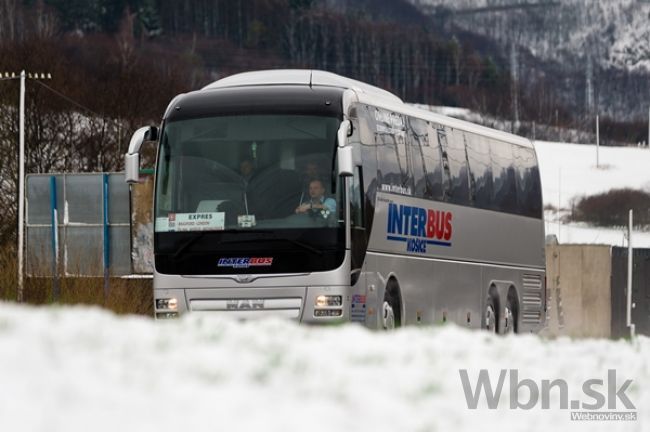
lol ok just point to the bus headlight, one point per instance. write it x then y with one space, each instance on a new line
329 300
167 304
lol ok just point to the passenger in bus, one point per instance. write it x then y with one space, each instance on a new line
247 170
317 200
310 172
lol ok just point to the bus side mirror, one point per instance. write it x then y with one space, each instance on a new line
132 167
132 158
344 154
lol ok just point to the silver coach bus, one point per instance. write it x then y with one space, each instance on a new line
323 199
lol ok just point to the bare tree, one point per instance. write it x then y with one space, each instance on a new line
8 19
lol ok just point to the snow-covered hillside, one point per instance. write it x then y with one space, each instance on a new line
79 369
614 32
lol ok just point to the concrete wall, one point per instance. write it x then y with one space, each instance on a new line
579 278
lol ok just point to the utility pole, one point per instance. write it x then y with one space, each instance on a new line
630 252
559 204
21 188
21 176
597 141
514 91
589 96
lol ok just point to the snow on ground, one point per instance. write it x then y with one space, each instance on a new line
580 233
569 171
78 369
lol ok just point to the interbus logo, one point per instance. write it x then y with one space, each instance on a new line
418 227
245 262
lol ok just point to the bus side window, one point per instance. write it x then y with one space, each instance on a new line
358 234
444 163
432 155
392 149
471 178
365 124
504 196
535 197
356 199
528 190
478 158
403 158
457 159
417 140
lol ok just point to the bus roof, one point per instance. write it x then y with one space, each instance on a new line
366 93
305 77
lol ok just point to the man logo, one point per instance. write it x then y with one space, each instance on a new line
245 304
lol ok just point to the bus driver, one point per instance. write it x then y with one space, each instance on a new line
317 201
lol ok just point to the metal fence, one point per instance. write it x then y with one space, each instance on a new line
640 291
92 218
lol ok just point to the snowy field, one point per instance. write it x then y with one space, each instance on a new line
569 171
80 369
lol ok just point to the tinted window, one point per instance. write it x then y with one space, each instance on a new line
457 159
366 123
432 155
356 199
529 201
480 171
392 149
418 139
366 134
504 196
440 139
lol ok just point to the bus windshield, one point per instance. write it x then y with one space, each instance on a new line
247 172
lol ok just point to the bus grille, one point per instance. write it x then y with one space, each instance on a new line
531 300
250 308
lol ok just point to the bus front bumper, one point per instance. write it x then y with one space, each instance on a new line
314 304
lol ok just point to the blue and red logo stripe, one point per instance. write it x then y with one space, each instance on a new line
418 227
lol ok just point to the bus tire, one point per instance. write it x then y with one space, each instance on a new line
491 315
511 313
391 308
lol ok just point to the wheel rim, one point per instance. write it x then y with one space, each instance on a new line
388 316
490 319
509 325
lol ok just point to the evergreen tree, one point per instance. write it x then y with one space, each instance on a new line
149 16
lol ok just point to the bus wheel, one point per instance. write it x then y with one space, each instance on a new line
510 315
491 318
390 310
